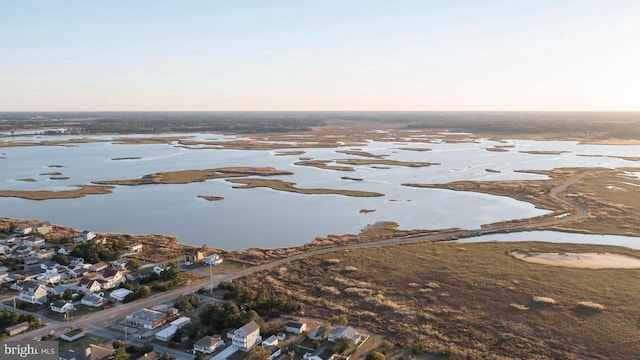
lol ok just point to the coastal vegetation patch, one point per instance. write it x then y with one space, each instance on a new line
544 152
190 176
360 153
384 162
81 191
418 149
211 198
323 164
290 187
289 153
497 149
126 158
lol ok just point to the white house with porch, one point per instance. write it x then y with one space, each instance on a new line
246 337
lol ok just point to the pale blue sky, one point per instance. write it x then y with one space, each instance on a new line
320 55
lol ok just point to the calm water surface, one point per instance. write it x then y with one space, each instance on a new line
266 218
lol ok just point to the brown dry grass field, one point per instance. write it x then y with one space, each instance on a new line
472 299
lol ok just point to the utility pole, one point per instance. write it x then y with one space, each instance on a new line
211 276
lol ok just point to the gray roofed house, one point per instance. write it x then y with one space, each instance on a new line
246 337
295 327
322 353
33 293
344 331
146 318
92 300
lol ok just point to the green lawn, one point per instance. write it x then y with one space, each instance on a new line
81 343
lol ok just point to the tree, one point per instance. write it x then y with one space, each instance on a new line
258 353
343 345
121 354
374 355
133 265
170 272
166 356
61 259
339 320
177 336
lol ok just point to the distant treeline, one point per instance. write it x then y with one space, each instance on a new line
162 122
585 124
622 125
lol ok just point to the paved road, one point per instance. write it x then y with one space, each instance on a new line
102 319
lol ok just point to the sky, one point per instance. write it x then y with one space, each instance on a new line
299 55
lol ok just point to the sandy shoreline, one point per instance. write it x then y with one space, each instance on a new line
580 260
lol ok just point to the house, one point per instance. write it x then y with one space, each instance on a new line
134 248
22 231
49 265
9 240
92 352
111 278
32 241
42 228
4 277
158 269
213 259
61 306
295 327
322 353
78 271
57 290
166 333
146 319
120 294
169 312
208 344
33 293
119 264
73 334
194 256
318 334
66 250
181 322
270 341
45 254
99 266
50 277
17 329
85 236
87 285
77 261
153 355
92 300
246 337
274 352
31 260
344 331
